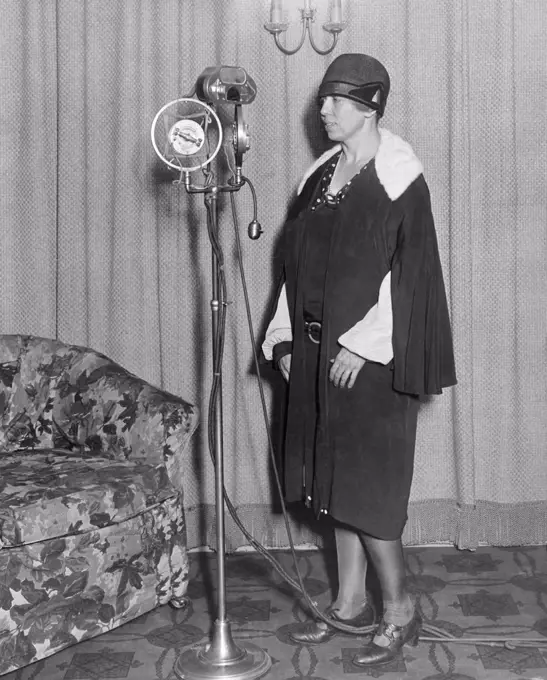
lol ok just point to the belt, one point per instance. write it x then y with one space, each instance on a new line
313 329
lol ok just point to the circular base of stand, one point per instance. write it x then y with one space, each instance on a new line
194 665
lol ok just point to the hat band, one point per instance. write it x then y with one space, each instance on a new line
364 94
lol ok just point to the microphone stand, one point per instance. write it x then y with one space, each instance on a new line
222 658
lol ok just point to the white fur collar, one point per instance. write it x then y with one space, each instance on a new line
397 166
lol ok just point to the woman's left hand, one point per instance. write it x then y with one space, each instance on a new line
345 368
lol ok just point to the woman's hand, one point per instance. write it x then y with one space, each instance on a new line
345 368
285 366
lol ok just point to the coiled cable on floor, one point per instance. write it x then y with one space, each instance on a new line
430 633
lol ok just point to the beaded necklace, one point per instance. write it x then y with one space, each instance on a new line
326 198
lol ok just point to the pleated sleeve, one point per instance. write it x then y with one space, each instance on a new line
423 357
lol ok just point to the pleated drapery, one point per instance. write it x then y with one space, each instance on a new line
28 165
100 248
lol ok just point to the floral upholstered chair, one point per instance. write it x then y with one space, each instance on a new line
92 530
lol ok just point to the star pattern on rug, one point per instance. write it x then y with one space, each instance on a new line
107 663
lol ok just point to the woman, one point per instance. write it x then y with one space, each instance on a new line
360 332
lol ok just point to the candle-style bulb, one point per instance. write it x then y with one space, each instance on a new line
276 12
336 12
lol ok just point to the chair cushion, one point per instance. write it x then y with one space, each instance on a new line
50 493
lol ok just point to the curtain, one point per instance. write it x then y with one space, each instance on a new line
28 167
100 248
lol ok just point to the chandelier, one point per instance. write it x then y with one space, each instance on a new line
276 25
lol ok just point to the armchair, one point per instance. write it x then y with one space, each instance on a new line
92 530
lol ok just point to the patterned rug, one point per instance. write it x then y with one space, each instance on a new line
490 592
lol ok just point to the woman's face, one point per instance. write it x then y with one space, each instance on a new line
343 118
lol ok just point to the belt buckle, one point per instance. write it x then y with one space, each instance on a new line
314 327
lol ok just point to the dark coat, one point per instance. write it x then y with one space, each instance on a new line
364 442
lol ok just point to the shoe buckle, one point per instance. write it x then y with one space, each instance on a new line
392 631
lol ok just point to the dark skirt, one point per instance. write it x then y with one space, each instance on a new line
373 434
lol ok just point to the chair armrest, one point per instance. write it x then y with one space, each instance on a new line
174 421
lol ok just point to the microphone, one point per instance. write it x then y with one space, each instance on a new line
226 83
233 85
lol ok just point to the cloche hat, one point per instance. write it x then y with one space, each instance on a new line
357 77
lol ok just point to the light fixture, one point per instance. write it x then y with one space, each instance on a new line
276 25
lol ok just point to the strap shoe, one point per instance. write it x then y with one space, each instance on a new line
376 655
317 632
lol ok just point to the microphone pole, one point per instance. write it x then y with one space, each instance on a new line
222 658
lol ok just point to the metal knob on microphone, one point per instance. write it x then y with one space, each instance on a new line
254 230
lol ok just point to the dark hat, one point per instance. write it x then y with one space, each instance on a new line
357 77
